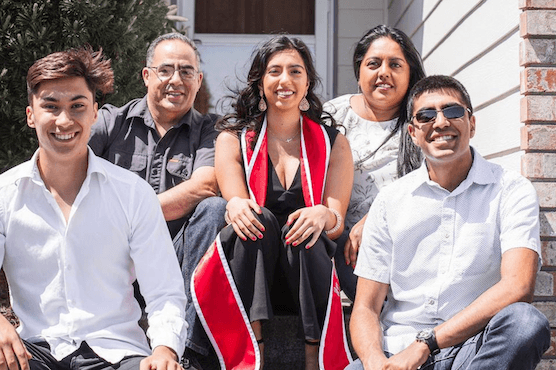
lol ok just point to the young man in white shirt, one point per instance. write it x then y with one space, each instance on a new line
454 247
75 232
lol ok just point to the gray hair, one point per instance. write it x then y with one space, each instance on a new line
172 36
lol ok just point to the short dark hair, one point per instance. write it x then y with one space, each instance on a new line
81 62
437 83
172 36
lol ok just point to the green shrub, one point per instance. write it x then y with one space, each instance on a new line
30 30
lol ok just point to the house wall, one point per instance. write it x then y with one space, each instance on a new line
538 139
353 19
504 52
477 42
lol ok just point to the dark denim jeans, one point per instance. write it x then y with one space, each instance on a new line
191 243
515 339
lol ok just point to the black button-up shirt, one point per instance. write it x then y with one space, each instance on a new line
127 137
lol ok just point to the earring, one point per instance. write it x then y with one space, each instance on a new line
262 103
304 104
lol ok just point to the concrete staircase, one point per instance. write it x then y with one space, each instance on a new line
283 349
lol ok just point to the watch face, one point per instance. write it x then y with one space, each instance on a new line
424 334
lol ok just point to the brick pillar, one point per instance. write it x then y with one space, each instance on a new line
538 140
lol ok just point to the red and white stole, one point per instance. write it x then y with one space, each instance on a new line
213 289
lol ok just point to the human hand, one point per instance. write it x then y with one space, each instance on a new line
163 358
244 222
308 221
351 249
409 359
13 353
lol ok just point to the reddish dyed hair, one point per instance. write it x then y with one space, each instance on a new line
81 62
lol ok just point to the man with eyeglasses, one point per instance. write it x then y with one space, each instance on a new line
164 140
450 254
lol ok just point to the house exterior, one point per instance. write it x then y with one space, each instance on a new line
503 51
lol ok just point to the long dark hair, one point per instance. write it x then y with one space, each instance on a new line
409 155
245 105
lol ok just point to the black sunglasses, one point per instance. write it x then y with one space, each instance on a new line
451 112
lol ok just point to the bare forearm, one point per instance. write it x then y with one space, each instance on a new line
366 335
476 316
184 197
517 284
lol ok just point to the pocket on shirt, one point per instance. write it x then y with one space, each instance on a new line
477 252
133 162
179 166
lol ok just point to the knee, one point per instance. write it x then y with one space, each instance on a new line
212 204
210 211
268 219
525 322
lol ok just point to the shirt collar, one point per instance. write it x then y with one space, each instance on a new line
142 111
30 169
480 173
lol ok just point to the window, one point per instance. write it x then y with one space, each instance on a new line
255 16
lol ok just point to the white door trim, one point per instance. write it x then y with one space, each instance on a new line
322 42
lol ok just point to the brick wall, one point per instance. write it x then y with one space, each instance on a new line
538 139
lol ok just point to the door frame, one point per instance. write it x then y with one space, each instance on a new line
322 42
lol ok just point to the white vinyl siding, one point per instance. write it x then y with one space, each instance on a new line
477 42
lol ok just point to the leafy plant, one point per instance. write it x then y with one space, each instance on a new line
30 30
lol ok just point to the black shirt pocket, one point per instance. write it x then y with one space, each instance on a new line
179 167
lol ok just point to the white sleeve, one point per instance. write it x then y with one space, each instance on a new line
375 253
157 271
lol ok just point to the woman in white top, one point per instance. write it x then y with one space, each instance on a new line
386 65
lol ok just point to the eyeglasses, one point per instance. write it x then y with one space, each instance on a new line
165 72
451 112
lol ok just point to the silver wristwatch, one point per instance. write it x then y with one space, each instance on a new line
428 337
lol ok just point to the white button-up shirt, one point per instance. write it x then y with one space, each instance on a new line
439 251
72 282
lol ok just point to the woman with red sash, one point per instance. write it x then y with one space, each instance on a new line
287 179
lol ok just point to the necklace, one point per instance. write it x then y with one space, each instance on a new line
288 140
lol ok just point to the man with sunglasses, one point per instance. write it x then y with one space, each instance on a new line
454 249
164 140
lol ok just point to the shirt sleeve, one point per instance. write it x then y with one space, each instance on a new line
2 235
102 129
375 254
519 216
157 271
204 155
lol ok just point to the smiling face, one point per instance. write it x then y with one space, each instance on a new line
62 112
170 99
384 78
285 81
443 140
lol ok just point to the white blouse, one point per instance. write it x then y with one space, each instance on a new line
364 136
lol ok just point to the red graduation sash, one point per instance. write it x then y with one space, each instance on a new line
213 289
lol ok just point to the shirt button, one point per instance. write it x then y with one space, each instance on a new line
68 267
447 236
431 302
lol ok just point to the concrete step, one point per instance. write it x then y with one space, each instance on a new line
283 349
